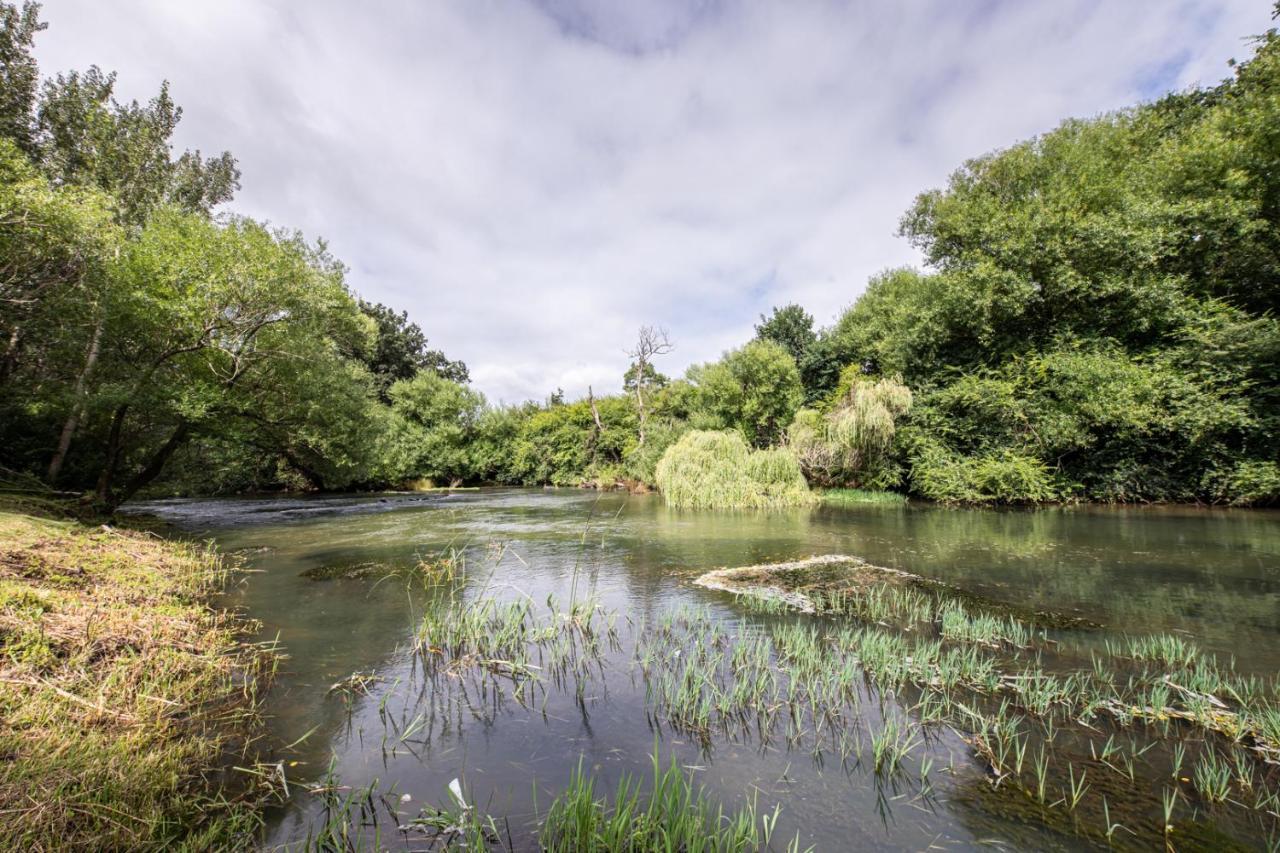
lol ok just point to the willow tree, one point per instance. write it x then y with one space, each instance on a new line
850 444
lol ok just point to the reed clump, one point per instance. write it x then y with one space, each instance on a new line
121 692
667 813
851 497
717 470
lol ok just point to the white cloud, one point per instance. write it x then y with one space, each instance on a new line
534 181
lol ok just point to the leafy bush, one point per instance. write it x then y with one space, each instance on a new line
1255 484
755 390
999 477
717 469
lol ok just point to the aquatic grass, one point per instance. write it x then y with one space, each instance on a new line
1212 777
877 603
1166 649
985 629
891 743
803 680
668 813
848 497
1077 789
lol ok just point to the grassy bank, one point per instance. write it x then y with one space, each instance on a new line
850 497
123 695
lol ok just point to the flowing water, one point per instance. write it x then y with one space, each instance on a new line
324 580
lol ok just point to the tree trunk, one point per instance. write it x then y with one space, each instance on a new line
10 359
78 403
599 427
308 473
156 464
640 403
106 480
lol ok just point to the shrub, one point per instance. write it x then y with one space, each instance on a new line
1000 477
717 469
1255 483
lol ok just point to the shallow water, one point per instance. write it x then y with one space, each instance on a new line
1214 575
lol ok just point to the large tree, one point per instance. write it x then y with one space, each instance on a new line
755 389
400 350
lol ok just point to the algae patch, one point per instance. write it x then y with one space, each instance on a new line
795 583
837 581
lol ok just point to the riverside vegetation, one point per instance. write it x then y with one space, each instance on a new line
1097 321
123 696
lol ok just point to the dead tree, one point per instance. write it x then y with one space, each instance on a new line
650 342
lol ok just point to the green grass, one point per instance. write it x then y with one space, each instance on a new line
121 692
668 813
848 497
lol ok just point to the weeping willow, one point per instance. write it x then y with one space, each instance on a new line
850 444
707 469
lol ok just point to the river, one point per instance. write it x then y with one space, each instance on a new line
326 576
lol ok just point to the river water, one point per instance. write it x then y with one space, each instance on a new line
1211 575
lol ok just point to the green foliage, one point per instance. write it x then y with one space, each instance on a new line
84 136
851 442
436 420
562 445
1255 484
718 470
755 390
1100 321
1002 477
400 350
19 76
142 339
490 448
791 327
850 497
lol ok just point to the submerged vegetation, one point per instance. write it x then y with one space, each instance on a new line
122 694
1150 740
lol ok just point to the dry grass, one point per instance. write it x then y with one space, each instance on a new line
122 693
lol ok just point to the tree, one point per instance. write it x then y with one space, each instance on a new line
210 318
57 254
755 390
850 444
437 419
19 76
84 136
650 342
792 327
400 351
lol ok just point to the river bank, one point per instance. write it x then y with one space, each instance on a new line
124 695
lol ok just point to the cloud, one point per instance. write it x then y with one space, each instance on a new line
533 181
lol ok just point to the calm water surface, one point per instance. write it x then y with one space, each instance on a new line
1214 575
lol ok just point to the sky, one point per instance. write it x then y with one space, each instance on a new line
532 180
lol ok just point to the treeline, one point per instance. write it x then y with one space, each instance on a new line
144 337
1097 321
